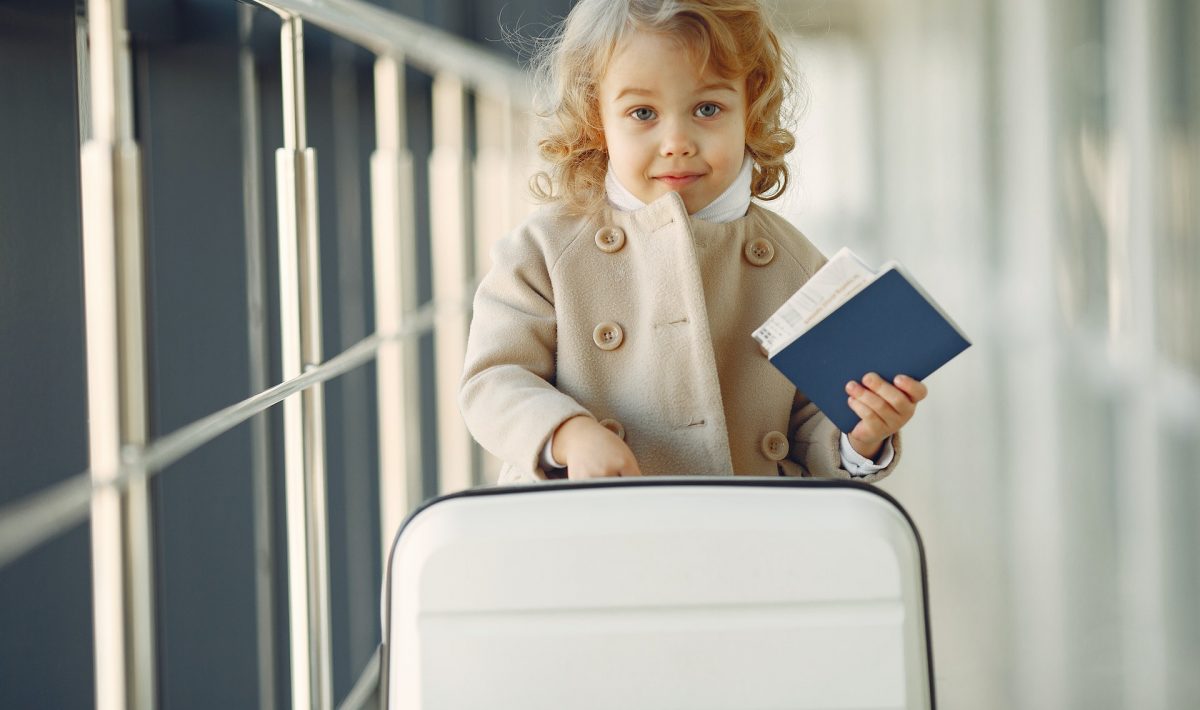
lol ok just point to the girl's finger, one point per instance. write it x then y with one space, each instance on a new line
878 405
915 389
898 400
872 426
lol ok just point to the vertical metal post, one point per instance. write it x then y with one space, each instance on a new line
395 247
303 415
451 271
112 647
494 208
256 297
114 305
1135 232
523 161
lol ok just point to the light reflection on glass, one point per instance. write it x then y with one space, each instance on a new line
1053 469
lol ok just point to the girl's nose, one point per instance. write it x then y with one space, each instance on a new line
676 142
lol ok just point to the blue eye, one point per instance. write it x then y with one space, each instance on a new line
642 114
707 110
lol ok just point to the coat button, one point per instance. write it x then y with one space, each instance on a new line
608 336
610 239
759 251
775 446
614 426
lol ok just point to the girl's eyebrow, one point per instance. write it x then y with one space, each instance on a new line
719 86
633 90
715 86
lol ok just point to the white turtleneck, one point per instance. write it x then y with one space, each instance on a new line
729 205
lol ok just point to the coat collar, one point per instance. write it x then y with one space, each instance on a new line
664 211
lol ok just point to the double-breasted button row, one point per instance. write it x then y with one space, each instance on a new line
608 336
610 239
759 251
614 426
775 446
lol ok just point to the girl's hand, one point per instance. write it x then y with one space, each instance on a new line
883 408
591 451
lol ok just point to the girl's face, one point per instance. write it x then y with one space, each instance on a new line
669 128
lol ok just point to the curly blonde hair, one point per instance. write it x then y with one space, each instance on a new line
732 35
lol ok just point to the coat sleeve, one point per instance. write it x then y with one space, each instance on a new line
507 395
816 444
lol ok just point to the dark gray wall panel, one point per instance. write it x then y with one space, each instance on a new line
45 597
44 419
46 617
190 131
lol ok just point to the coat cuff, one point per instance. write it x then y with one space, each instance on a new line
822 454
535 440
859 465
512 414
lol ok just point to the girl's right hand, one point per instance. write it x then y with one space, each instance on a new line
590 450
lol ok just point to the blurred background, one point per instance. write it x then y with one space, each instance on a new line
1034 164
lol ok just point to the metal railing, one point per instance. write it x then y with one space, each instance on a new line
123 459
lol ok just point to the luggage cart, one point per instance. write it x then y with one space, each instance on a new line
630 594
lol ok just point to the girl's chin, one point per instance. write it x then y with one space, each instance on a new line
692 201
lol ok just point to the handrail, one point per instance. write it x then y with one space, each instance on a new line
113 491
432 50
366 688
30 521
45 514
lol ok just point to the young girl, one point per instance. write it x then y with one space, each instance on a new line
612 335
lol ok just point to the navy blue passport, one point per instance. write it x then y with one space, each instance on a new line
888 327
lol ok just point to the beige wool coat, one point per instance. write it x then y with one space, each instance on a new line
642 320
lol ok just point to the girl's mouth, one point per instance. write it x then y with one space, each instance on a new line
676 182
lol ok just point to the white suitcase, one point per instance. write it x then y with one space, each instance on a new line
689 593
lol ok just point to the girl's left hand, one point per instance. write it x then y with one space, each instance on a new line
883 407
